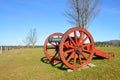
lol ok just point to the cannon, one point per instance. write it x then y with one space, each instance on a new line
75 48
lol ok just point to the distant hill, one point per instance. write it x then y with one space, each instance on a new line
114 41
110 41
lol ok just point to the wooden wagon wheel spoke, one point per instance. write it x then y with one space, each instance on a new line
87 45
69 57
87 51
83 41
74 61
80 60
81 36
87 48
83 55
76 39
68 51
71 40
68 45
53 58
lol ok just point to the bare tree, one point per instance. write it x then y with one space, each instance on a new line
82 12
31 39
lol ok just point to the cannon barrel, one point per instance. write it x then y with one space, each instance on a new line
54 39
58 39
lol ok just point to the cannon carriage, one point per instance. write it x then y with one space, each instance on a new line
75 48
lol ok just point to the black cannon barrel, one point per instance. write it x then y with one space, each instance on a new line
54 39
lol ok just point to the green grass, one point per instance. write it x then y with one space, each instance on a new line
26 64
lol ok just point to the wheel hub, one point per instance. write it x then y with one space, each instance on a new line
78 49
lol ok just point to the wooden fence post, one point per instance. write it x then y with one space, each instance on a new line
1 49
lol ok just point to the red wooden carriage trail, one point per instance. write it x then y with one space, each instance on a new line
75 48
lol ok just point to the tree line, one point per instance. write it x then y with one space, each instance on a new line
107 44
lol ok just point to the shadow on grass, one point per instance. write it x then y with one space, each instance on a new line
45 60
59 65
98 58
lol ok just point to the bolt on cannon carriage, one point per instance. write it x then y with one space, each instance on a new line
75 48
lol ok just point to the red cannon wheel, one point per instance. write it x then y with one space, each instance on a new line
51 49
76 48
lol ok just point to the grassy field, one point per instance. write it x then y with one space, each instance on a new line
26 64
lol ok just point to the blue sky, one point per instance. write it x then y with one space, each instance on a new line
17 17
